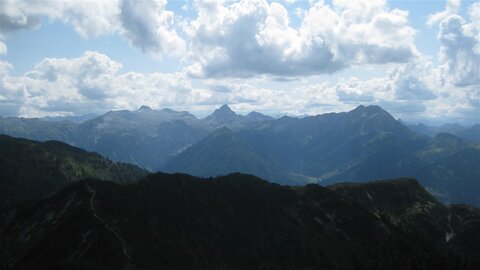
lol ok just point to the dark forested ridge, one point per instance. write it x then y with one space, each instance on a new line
239 222
31 169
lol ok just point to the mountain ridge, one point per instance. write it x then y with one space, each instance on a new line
32 170
177 221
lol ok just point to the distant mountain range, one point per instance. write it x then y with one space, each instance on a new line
471 133
145 137
239 222
360 145
73 118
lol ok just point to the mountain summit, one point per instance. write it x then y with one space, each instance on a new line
222 113
223 116
144 108
224 110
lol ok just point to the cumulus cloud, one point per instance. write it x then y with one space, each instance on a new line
236 39
145 24
409 82
231 42
90 83
10 94
3 48
451 7
88 18
355 90
23 14
149 26
459 55
93 82
460 52
414 92
290 1
14 15
255 37
414 81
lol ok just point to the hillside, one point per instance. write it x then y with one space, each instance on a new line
38 129
330 144
221 153
368 143
145 137
31 169
406 204
232 222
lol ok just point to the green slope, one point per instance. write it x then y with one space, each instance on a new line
221 153
31 169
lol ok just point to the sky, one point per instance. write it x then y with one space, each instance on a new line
419 60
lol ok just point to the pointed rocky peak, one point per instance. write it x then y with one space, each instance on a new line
224 111
144 108
372 112
221 116
371 109
375 120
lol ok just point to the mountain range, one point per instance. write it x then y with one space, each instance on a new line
360 145
471 133
177 221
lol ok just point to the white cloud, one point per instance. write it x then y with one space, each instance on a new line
231 42
10 98
149 26
145 24
459 52
451 7
3 48
356 91
93 82
237 39
407 84
254 37
89 83
414 92
15 15
414 81
459 55
88 18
